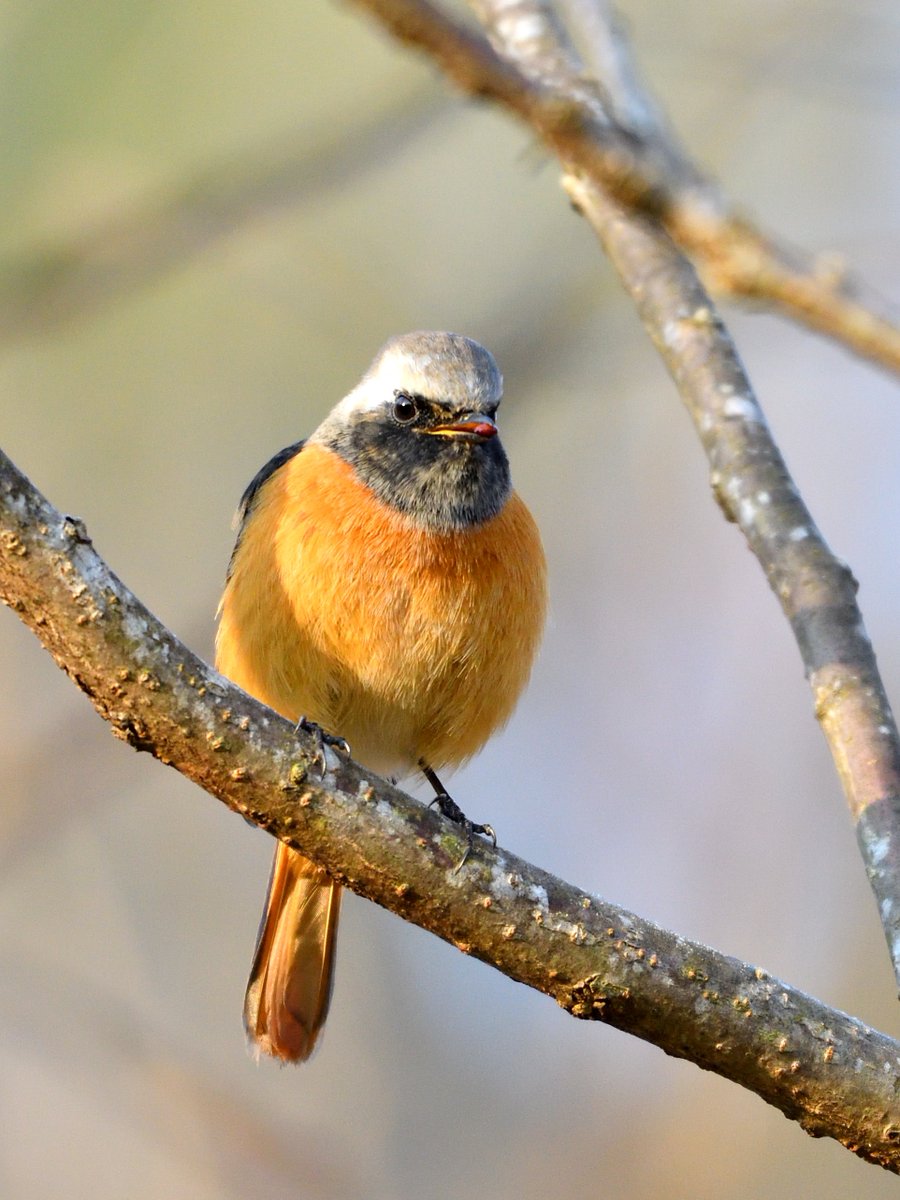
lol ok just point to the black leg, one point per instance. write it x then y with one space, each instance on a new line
451 810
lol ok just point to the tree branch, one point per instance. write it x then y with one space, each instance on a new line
539 76
645 171
643 165
753 486
828 1071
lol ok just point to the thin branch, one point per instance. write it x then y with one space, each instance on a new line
753 486
50 285
820 290
650 174
824 1069
539 76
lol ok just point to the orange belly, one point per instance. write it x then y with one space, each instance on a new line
410 643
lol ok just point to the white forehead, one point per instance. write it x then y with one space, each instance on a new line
444 367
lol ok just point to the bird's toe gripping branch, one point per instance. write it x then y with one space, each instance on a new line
323 739
451 810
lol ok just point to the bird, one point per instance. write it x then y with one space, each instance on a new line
388 589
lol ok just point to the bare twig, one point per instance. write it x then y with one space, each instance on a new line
819 290
826 1070
750 480
651 175
641 163
539 76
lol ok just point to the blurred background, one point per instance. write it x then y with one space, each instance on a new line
212 216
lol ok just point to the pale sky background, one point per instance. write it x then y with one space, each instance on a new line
683 774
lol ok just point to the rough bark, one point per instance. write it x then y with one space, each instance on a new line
826 1070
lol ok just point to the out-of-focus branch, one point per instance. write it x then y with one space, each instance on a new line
827 1071
643 170
538 75
47 286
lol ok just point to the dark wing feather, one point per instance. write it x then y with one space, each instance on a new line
245 508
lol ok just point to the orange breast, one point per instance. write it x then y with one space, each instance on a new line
409 643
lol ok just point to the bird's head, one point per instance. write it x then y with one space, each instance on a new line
420 430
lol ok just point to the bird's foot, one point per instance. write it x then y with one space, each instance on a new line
448 807
323 739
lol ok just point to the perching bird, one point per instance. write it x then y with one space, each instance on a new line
389 585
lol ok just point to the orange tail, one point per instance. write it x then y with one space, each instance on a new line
293 968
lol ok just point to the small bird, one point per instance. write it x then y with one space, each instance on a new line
387 586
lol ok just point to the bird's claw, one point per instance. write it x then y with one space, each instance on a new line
323 739
448 807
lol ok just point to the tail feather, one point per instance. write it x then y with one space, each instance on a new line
293 967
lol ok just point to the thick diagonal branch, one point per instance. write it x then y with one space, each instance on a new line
826 1070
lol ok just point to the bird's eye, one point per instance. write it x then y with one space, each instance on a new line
405 407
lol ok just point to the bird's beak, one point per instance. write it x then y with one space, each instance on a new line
473 427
